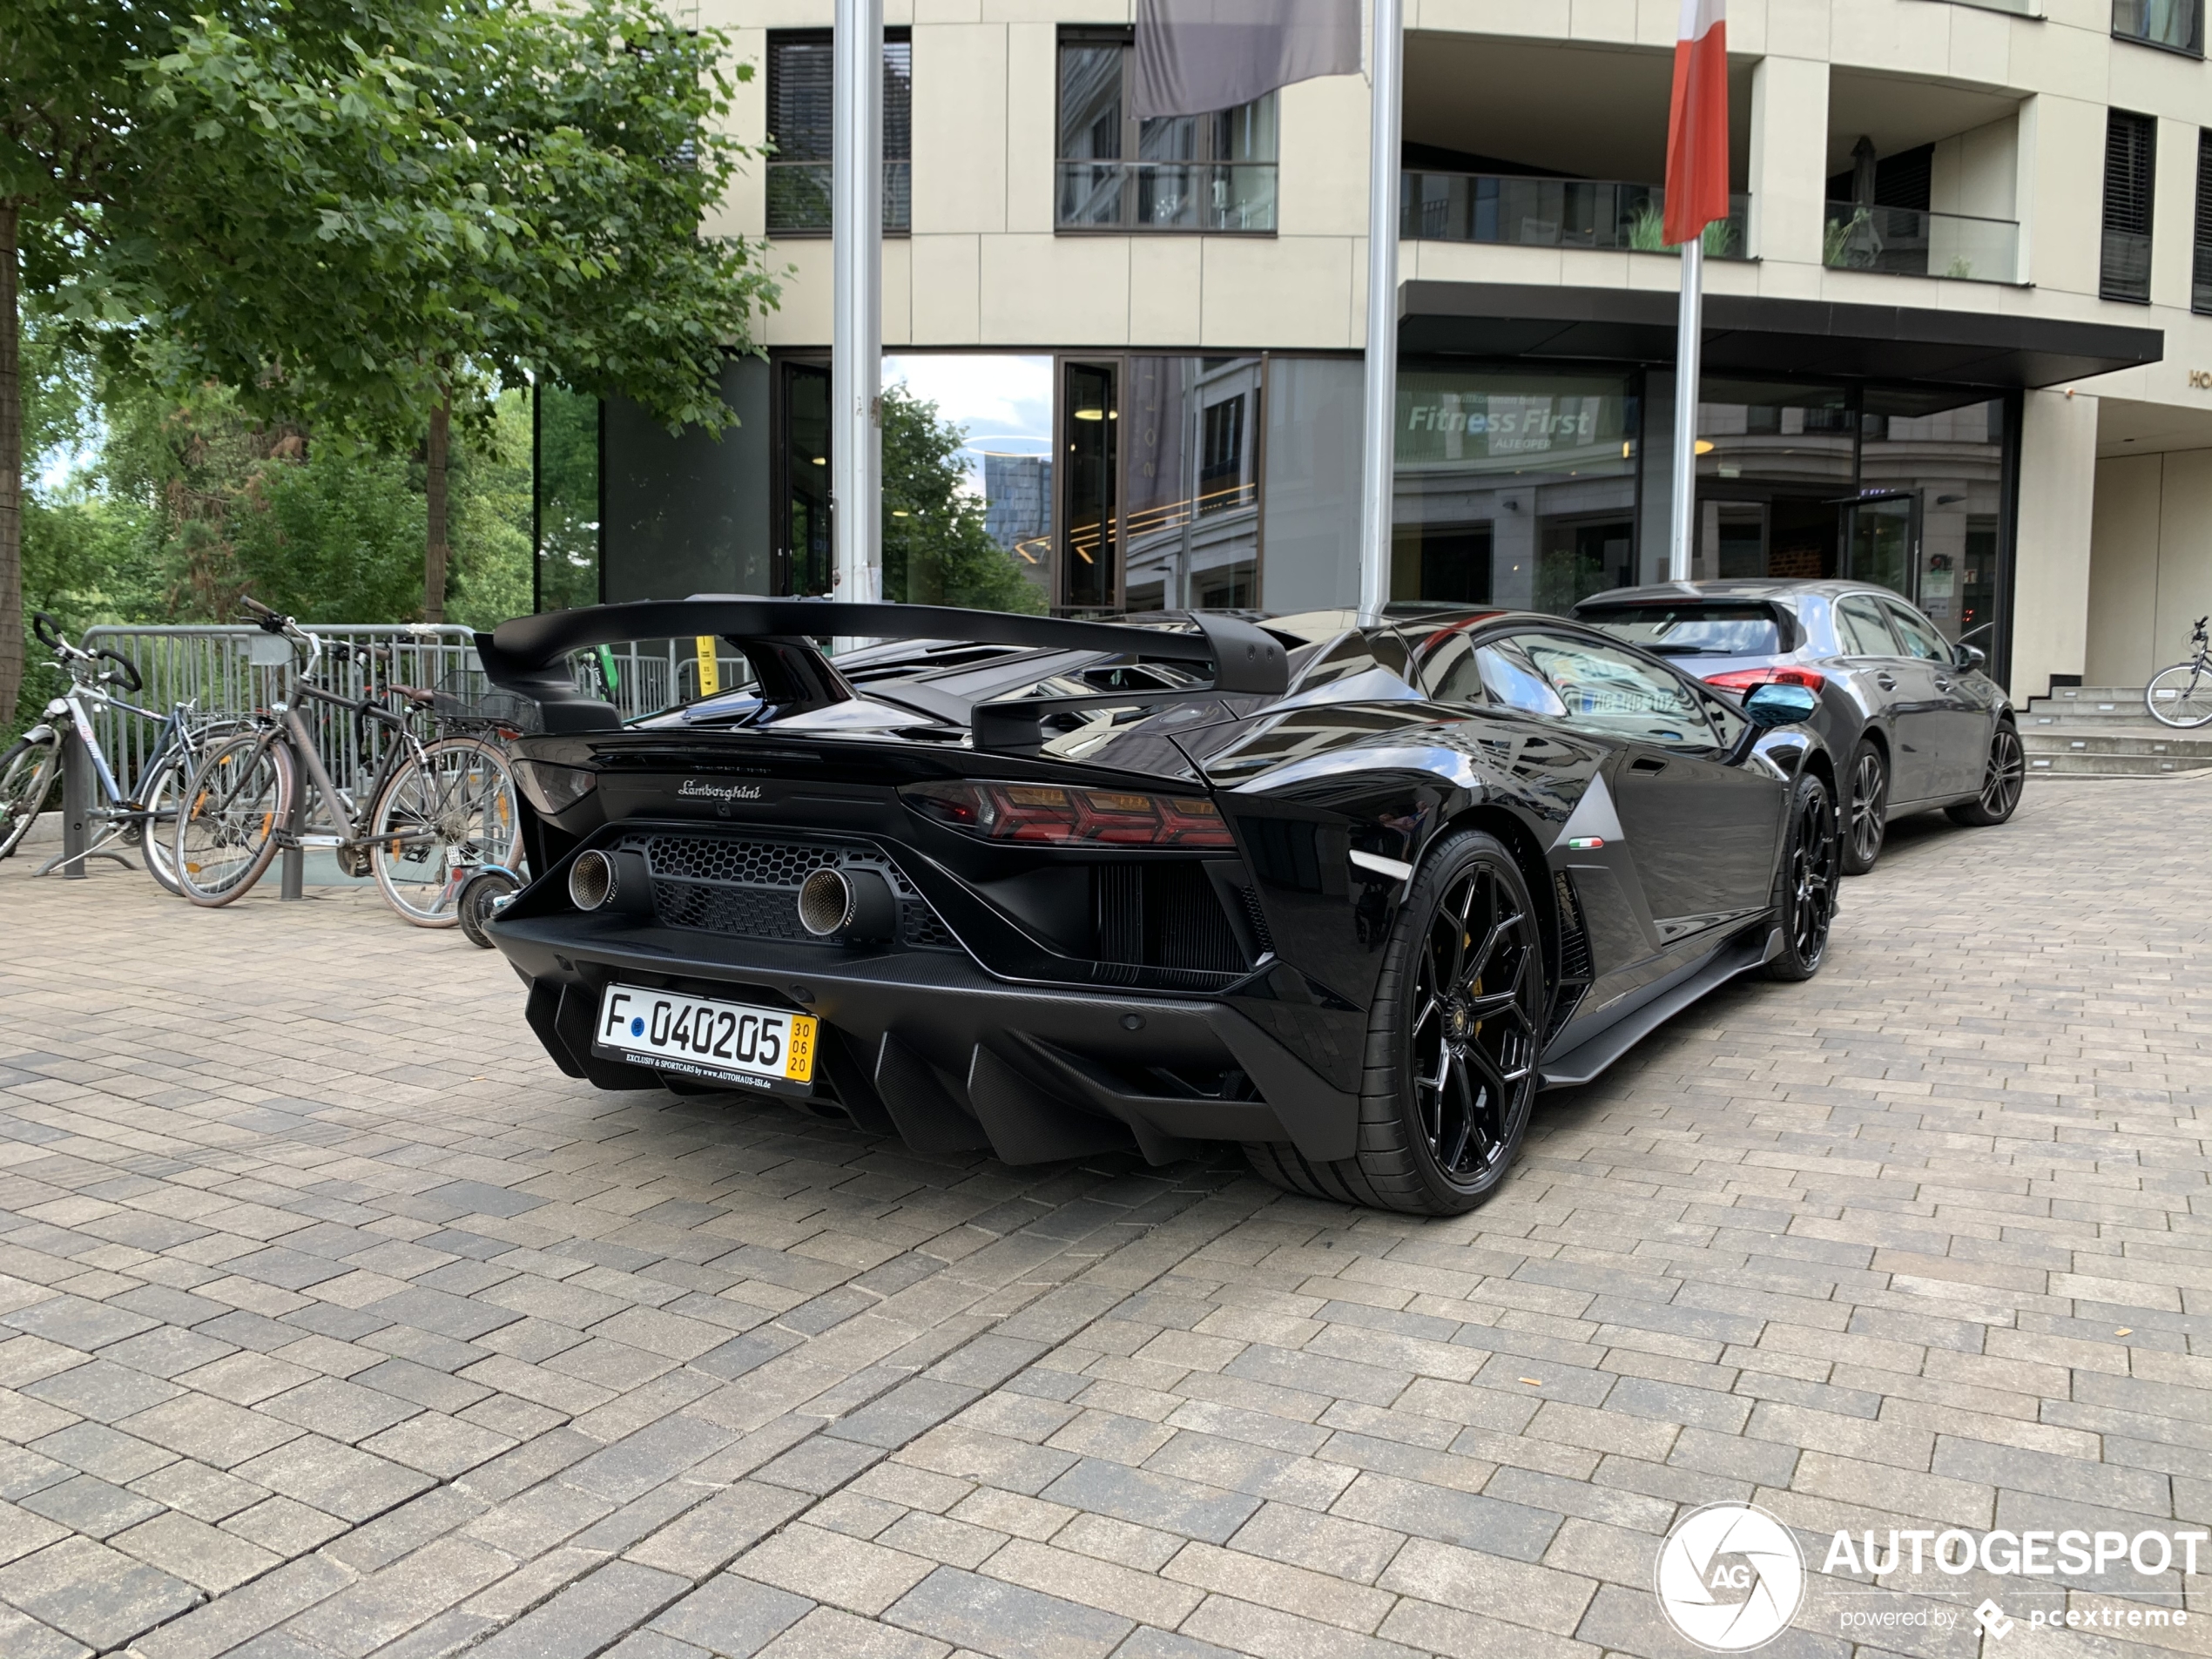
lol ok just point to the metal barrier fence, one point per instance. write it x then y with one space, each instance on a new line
211 667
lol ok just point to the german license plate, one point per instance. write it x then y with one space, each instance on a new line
699 1036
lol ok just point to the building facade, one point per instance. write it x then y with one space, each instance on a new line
1959 326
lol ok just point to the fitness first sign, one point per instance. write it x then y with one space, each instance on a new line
1731 1577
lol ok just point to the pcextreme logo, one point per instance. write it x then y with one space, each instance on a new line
1729 1577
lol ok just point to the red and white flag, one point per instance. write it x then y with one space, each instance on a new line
1697 124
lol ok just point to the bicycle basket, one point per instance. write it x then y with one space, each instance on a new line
465 697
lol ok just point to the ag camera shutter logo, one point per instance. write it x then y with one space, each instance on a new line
1730 1577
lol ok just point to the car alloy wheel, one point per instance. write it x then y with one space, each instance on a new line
2004 775
1867 825
1804 889
1473 1044
1455 1034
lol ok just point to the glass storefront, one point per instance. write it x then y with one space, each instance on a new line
1133 482
1931 515
1514 488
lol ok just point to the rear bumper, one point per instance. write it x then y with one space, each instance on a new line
927 1045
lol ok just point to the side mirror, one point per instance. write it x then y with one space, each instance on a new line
1969 657
1771 705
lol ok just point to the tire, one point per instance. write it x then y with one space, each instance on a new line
1866 788
463 790
27 774
1450 1065
478 895
165 788
239 798
2004 776
2181 696
1805 888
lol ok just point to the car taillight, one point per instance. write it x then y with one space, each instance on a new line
1051 815
1742 679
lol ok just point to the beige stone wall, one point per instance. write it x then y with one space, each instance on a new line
2151 568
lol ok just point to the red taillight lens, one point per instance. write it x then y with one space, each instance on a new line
1049 815
1742 679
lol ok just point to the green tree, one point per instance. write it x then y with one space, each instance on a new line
935 550
499 188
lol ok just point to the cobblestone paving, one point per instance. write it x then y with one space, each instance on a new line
337 1322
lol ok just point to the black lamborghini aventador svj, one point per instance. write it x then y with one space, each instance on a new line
1347 891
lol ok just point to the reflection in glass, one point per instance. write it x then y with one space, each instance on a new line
1948 466
1310 504
567 433
1183 173
1090 421
1775 464
1191 465
806 527
1516 489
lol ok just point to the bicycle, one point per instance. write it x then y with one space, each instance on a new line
2181 696
434 814
143 814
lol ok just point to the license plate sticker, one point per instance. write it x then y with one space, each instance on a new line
701 1036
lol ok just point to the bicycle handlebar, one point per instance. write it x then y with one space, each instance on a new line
129 670
48 632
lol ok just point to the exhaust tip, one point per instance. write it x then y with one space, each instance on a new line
825 903
592 879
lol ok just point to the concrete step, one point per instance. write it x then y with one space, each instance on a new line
2080 737
2073 752
2100 703
2115 766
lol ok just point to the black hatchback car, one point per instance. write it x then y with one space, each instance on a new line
1914 719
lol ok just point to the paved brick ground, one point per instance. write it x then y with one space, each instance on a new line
338 1323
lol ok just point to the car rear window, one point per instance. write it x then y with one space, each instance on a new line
1691 631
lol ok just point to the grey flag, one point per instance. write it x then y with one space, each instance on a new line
1194 57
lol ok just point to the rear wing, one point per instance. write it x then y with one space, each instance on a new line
529 655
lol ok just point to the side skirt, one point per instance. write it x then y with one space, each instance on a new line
1587 1060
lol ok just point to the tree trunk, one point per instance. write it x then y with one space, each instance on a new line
434 555
11 663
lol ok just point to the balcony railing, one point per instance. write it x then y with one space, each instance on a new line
2177 25
799 198
1211 196
1518 211
1911 241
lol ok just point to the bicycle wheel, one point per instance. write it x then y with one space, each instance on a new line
163 788
2181 696
27 774
226 825
437 823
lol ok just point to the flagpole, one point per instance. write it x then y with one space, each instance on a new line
856 334
1377 448
1688 336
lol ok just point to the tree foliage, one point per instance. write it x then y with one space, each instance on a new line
935 550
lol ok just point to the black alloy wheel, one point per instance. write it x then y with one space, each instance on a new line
1867 792
2004 775
1455 1036
1805 888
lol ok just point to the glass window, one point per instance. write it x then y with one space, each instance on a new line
968 480
2175 24
1613 691
1183 173
803 540
1860 625
1932 531
1513 489
687 513
1920 640
800 92
2201 283
1692 630
1189 433
1310 504
1456 669
2131 158
566 430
